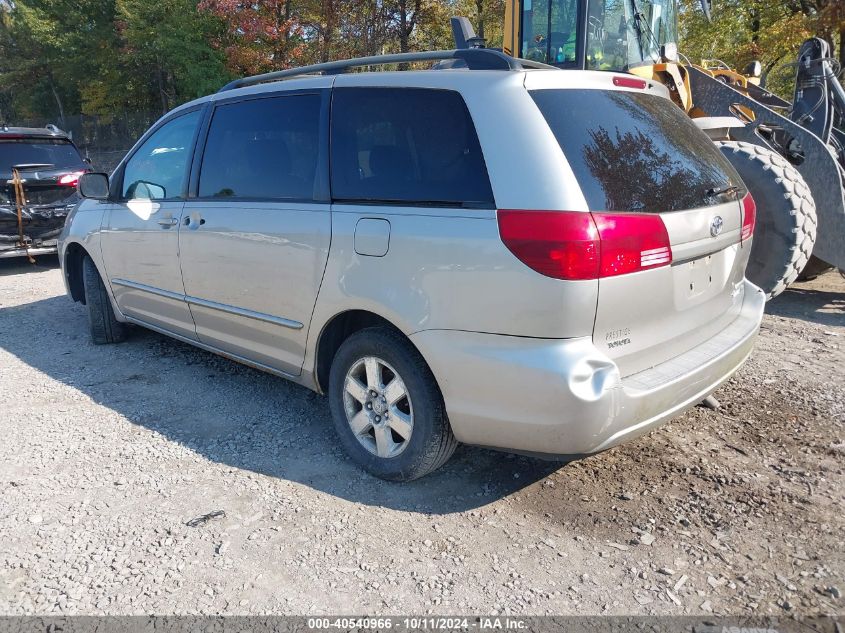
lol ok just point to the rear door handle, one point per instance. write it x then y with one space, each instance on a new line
168 221
194 220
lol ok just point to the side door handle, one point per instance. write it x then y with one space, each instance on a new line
165 222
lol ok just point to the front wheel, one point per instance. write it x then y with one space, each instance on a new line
105 328
387 408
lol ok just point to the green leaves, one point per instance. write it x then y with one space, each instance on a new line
105 57
744 30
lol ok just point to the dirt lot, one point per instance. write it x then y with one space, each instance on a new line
107 452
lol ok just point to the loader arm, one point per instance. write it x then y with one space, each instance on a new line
818 167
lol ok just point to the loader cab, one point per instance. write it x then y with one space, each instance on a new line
611 35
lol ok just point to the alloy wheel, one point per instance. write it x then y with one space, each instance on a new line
378 407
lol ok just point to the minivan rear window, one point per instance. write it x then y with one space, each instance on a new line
635 152
406 145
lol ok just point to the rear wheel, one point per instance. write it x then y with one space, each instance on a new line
387 408
786 216
105 328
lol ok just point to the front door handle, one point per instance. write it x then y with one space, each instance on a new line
165 222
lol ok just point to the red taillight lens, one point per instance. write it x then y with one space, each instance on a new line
578 245
70 180
749 216
632 242
559 244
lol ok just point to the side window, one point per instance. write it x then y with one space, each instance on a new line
408 145
262 148
159 168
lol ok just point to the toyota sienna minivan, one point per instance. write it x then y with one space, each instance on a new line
542 261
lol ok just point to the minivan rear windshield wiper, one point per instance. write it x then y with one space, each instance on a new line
723 191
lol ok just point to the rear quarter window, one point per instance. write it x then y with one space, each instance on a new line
635 152
406 145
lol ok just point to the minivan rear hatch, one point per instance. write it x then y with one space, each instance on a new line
634 152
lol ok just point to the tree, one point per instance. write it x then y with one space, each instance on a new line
258 36
167 55
767 30
47 47
105 56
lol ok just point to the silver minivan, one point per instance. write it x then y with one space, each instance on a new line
542 261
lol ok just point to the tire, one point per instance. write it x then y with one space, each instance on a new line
424 444
105 328
813 269
786 216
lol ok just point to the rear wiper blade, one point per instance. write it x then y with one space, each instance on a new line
724 190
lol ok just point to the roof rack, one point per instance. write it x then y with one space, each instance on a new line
475 59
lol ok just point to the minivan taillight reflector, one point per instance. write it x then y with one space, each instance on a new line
579 245
749 216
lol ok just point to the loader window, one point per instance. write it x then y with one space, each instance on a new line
635 152
549 31
624 33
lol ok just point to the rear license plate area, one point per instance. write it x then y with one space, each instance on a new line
699 275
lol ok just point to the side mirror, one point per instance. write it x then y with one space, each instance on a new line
707 8
94 186
754 69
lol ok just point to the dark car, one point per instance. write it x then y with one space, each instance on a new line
49 165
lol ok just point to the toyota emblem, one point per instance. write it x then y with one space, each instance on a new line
716 225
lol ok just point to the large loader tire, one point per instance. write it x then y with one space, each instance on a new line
786 215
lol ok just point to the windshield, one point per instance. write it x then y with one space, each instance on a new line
624 33
30 151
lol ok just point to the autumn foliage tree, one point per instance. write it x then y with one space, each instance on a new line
259 36
770 31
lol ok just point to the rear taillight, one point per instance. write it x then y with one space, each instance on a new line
578 245
559 244
749 216
70 180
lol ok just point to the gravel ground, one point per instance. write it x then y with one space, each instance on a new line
107 452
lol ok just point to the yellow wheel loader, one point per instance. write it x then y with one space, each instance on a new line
791 156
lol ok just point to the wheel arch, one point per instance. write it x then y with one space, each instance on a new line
336 330
74 254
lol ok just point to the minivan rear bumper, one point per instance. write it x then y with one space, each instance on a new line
564 397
